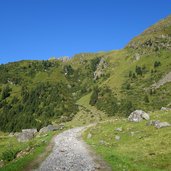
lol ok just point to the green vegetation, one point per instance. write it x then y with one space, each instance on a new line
89 88
140 147
10 148
35 105
9 155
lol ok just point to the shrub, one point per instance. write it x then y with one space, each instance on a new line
94 97
157 64
146 99
138 70
9 155
6 92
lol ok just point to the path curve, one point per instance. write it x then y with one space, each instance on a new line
70 153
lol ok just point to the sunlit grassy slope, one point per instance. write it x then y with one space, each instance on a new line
140 147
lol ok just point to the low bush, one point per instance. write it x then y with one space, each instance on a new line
9 155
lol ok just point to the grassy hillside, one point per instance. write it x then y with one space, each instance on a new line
141 147
17 156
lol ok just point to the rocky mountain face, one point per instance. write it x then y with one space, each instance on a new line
154 39
35 93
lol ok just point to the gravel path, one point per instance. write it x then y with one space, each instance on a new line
70 153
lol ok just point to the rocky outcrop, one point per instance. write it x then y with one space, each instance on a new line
100 69
144 45
154 39
138 115
162 81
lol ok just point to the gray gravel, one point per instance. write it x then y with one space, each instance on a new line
70 153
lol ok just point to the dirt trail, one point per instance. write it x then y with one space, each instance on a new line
70 153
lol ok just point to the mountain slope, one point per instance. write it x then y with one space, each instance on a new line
35 93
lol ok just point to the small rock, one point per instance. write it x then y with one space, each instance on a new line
132 134
11 134
1 163
117 138
118 129
28 149
16 134
98 167
101 142
62 150
89 135
21 154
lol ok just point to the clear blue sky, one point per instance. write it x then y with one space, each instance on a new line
40 29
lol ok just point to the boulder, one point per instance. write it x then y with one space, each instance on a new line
158 124
24 136
162 125
34 130
138 115
145 116
49 128
165 109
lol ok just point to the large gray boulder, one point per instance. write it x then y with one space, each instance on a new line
162 124
33 130
48 128
138 115
24 136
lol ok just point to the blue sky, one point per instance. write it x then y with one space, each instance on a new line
40 29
